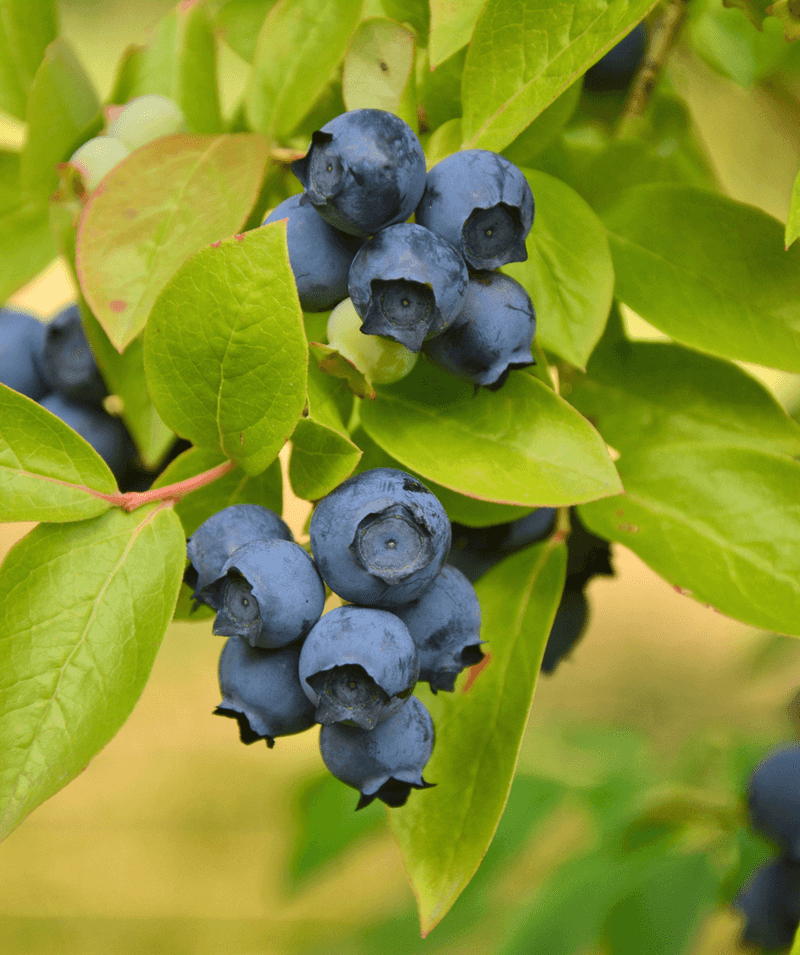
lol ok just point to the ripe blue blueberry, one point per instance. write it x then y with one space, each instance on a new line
106 435
320 255
380 538
407 284
477 549
480 203
773 797
217 538
269 593
68 361
770 904
358 666
568 627
261 691
445 624
615 71
385 763
21 343
493 334
364 170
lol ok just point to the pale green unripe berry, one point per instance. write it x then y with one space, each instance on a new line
147 118
98 156
380 359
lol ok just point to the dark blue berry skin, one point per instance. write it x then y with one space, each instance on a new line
615 71
770 904
492 335
385 763
106 435
568 627
380 538
68 362
320 255
217 538
261 691
364 170
269 593
445 624
407 284
21 343
773 797
358 666
480 203
476 549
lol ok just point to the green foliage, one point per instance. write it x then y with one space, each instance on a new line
378 68
26 28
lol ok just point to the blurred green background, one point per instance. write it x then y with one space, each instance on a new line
177 839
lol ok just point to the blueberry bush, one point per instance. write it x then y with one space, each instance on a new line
408 254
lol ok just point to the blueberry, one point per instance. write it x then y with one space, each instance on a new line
773 797
21 342
358 666
770 903
261 691
385 763
492 335
615 71
380 538
217 538
568 627
320 255
68 361
476 549
269 593
146 118
407 284
445 624
106 435
364 170
482 204
97 157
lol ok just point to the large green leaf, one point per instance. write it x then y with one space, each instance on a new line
300 45
535 138
792 230
85 607
26 28
708 271
47 471
378 68
62 105
162 204
525 53
720 523
444 833
321 459
26 244
240 22
180 62
568 274
452 23
519 445
652 393
225 351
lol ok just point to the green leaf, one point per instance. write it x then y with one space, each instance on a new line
788 12
235 487
162 204
378 68
451 27
416 13
61 107
439 89
653 393
793 221
321 459
443 142
47 471
330 401
77 647
796 944
26 244
444 833
525 53
225 352
240 22
545 128
180 63
26 28
568 275
755 12
708 271
519 445
331 362
722 524
300 45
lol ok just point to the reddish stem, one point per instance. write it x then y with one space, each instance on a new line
130 500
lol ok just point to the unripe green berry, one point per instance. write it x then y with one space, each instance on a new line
380 359
98 156
147 118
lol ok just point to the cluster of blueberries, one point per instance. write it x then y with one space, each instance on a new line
53 364
379 541
770 902
430 285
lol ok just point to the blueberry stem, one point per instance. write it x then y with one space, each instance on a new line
130 500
